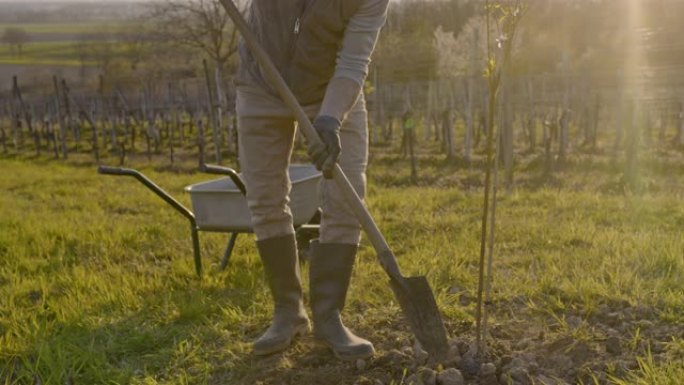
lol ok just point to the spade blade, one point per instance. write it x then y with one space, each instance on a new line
420 309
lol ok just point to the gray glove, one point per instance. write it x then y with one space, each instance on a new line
325 157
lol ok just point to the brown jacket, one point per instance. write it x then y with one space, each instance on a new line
302 38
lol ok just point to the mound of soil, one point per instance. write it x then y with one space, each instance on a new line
524 347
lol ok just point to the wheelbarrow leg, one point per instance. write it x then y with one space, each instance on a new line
229 251
196 250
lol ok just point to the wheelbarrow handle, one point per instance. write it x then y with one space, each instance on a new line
120 171
108 170
221 170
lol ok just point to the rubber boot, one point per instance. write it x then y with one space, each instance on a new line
279 257
329 272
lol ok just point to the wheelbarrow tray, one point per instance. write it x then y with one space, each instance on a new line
219 205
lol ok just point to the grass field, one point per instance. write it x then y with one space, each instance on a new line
61 53
97 284
58 44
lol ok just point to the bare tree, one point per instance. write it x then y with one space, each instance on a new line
197 24
15 38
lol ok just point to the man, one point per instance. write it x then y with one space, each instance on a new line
322 49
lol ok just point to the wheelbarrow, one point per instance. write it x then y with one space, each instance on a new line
219 205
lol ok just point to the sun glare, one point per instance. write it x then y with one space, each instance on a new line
634 60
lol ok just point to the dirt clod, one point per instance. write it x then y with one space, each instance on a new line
469 365
392 358
487 369
520 375
453 358
522 344
613 346
450 376
427 376
573 322
580 352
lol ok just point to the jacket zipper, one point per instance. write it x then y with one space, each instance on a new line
296 26
295 31
302 16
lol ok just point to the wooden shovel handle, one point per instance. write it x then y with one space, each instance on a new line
385 255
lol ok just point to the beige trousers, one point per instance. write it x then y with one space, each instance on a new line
266 132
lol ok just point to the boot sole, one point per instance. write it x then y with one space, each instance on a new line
299 330
346 357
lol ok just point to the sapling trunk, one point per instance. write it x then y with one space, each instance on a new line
509 21
60 117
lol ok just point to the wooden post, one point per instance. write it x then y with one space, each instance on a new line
113 133
3 138
447 124
646 127
632 144
212 114
171 120
411 133
16 117
506 132
186 110
564 120
680 124
67 115
96 148
25 111
469 99
564 123
200 142
378 109
152 117
156 131
178 122
15 123
619 109
34 131
390 129
219 103
547 139
170 142
87 115
3 133
128 116
60 117
530 121
145 121
595 116
236 135
427 127
53 137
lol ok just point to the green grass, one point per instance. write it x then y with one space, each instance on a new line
62 52
58 53
97 283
